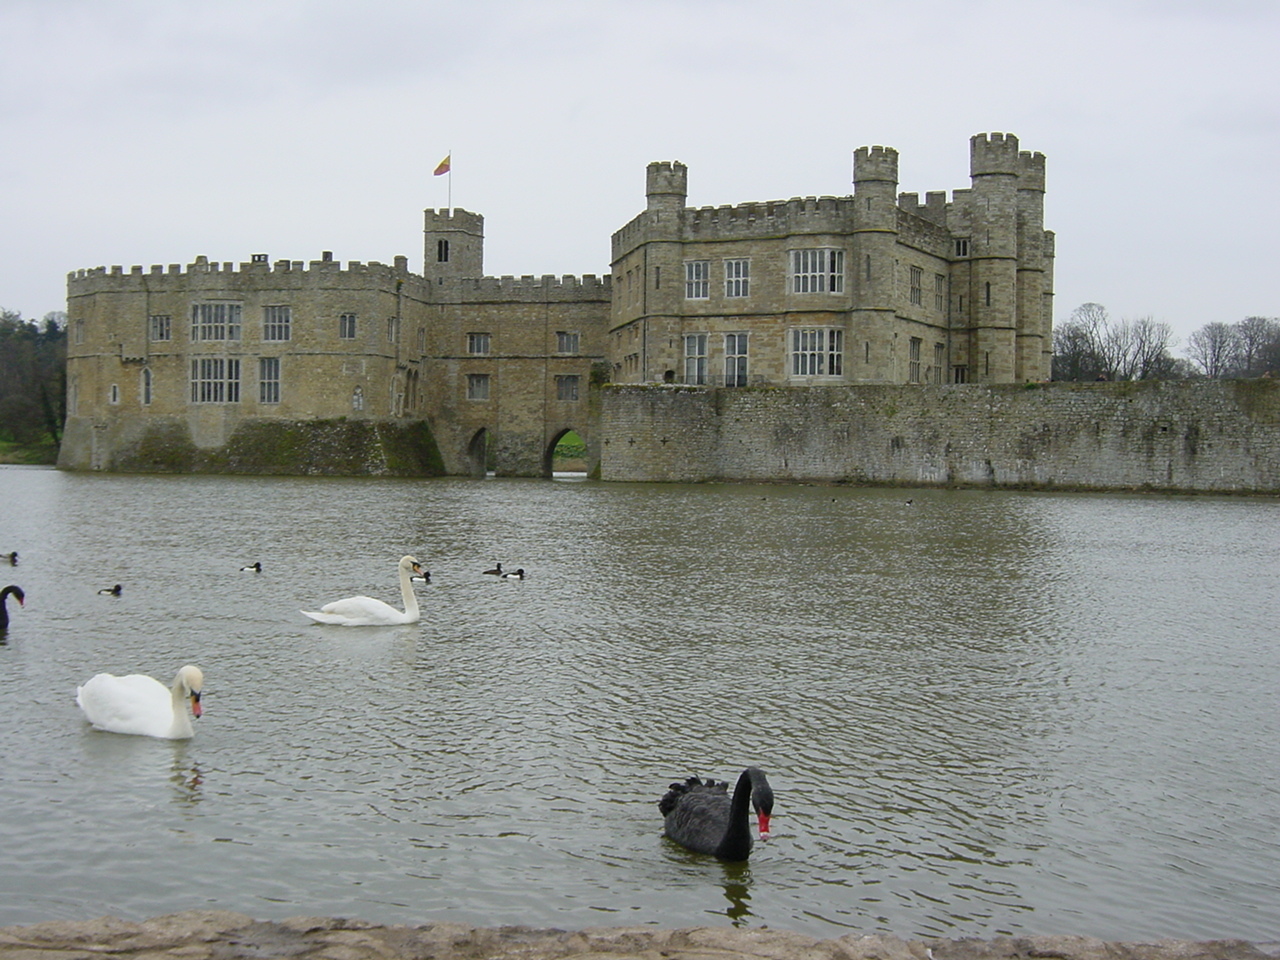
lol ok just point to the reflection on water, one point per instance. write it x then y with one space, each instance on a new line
186 780
982 713
739 897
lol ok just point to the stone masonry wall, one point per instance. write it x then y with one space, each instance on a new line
1203 437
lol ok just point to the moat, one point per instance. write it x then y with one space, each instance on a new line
983 712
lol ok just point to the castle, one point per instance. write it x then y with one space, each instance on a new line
871 288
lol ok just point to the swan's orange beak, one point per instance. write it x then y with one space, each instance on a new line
195 706
763 820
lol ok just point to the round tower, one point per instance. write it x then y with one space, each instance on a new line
875 186
1035 285
453 244
993 172
873 247
666 188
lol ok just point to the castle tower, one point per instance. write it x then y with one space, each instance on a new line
666 190
1035 281
453 245
873 244
993 170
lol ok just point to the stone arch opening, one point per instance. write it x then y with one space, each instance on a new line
478 453
566 453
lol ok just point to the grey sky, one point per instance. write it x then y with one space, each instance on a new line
153 131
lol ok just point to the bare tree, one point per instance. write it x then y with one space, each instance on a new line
1213 349
1090 346
1152 341
1256 337
1077 351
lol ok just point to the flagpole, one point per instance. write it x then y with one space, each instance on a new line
450 177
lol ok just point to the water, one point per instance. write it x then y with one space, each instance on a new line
982 713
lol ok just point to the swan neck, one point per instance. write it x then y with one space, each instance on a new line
407 595
741 796
181 722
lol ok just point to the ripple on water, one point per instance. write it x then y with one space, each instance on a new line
985 713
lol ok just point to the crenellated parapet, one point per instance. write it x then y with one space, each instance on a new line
204 273
1031 171
875 164
934 208
547 288
744 221
993 154
666 184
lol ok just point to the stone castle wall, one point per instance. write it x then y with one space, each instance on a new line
1195 437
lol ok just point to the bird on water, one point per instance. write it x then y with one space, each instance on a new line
699 814
142 705
255 567
496 571
111 591
365 611
16 592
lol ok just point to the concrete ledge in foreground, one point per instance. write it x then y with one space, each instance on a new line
221 935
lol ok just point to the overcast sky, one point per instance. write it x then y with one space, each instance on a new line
154 131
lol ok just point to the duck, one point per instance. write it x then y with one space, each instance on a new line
366 611
699 815
517 575
255 567
496 571
11 557
141 705
425 576
16 592
111 591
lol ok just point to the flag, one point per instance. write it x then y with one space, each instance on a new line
443 166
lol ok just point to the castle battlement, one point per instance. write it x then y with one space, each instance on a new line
875 163
934 208
453 218
1031 171
177 274
797 215
528 288
993 153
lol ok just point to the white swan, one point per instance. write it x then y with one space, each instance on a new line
142 706
368 612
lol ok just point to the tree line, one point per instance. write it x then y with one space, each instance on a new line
33 375
1092 346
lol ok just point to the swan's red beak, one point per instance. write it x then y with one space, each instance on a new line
763 820
195 706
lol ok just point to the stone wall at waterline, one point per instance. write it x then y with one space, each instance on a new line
329 447
1221 436
222 935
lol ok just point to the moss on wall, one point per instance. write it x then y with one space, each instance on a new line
338 447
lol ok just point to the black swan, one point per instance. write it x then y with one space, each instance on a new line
4 602
496 571
111 591
698 814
